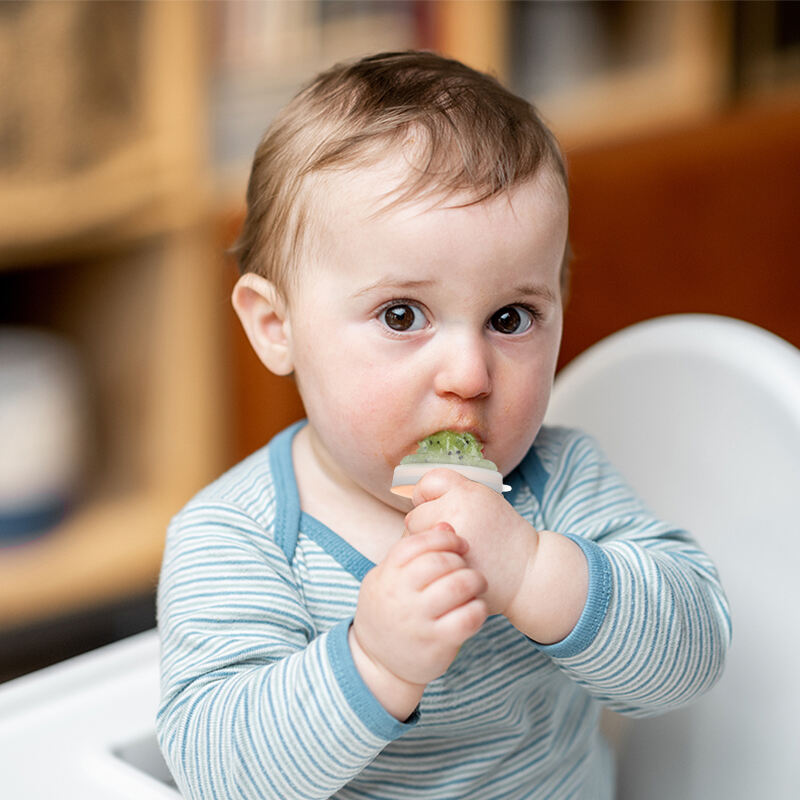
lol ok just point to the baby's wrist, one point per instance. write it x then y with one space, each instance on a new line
518 581
398 696
518 608
552 593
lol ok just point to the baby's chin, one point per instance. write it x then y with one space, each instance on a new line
380 492
374 478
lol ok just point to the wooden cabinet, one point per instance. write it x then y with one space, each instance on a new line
696 219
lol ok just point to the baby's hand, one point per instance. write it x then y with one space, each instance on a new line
538 579
502 545
415 609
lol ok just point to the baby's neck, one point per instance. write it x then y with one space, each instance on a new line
363 521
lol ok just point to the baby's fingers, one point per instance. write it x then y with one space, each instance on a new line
453 590
431 566
441 537
461 623
424 518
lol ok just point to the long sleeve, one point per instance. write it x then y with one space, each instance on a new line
256 702
656 627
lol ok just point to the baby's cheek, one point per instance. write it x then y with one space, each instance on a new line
362 422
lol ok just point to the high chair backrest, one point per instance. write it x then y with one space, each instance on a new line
702 415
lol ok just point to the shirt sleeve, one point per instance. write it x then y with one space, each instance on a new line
656 627
254 702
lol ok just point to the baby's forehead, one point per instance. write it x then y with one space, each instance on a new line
356 236
392 185
349 210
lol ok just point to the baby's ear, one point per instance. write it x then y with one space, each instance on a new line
262 311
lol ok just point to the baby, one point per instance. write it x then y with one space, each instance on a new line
404 258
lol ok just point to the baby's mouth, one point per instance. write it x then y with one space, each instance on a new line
475 431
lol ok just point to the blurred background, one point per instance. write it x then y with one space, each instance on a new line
126 133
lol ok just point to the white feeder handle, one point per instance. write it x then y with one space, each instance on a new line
406 476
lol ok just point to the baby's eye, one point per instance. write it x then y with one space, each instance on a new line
403 317
512 320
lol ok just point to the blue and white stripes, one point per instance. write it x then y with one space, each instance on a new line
261 699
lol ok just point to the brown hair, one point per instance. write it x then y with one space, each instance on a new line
470 135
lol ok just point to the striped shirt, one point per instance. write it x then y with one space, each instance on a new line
261 698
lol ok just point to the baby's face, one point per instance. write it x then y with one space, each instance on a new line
427 318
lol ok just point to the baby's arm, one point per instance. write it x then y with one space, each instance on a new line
653 628
256 701
656 629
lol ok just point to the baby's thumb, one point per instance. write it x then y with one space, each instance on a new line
433 484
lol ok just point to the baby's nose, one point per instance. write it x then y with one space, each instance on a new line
464 368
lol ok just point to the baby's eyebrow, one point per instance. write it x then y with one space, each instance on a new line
398 284
537 290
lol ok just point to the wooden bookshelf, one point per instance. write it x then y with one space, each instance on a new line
656 64
108 243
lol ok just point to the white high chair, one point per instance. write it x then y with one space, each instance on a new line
702 416
84 729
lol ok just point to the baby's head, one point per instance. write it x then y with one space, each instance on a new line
460 133
404 256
